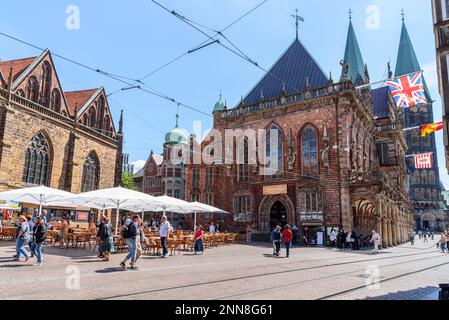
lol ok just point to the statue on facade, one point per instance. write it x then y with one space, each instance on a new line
291 156
325 150
344 70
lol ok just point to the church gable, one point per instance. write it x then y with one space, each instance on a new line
37 80
94 112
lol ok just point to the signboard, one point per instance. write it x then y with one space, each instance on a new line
82 216
274 190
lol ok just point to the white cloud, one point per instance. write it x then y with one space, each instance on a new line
431 74
138 164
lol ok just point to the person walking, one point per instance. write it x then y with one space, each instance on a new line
106 246
39 237
349 241
164 233
412 237
130 234
375 238
425 238
340 239
64 231
31 226
295 232
442 243
333 238
276 235
248 233
100 235
140 238
22 237
198 244
287 236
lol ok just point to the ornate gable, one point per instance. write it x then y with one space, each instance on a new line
37 80
93 110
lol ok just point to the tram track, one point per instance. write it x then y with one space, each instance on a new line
220 281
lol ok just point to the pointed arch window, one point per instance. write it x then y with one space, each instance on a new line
91 173
273 154
309 143
92 118
37 161
56 100
242 162
33 89
101 106
47 84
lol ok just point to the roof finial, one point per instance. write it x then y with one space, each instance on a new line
297 19
350 14
220 94
403 15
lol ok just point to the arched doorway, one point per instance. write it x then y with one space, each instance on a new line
278 215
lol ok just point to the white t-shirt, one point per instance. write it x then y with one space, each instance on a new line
164 228
333 236
212 229
375 237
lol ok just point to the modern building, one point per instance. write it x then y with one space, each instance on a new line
340 151
425 187
441 29
126 166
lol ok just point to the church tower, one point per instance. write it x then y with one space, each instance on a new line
425 187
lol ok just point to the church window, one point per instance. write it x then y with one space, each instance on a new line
275 154
56 100
309 152
37 161
91 173
47 84
33 89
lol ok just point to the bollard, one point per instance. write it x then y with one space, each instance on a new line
444 292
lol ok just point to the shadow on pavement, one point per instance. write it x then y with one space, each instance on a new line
415 294
110 270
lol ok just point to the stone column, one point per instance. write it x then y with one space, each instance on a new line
384 233
389 233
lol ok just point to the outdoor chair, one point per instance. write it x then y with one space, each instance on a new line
83 239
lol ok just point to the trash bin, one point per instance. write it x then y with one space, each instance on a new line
444 292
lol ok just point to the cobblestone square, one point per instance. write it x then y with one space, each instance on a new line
230 272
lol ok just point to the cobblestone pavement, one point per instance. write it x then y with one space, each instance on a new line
230 272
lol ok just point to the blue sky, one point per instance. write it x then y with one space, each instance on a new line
135 37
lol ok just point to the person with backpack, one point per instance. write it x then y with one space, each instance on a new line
130 233
39 237
287 236
22 237
106 239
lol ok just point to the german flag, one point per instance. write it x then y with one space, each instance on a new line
431 128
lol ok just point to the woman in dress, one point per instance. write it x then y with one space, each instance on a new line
106 239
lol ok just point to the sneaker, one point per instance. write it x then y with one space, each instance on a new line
134 267
123 265
167 255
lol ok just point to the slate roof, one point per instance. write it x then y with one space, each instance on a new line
78 97
381 102
139 173
18 67
294 66
407 62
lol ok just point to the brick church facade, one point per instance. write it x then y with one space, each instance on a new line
64 140
341 152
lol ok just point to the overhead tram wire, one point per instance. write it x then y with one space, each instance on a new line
110 75
196 48
239 54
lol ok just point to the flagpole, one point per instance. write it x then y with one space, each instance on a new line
383 81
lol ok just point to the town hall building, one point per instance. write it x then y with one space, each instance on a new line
341 152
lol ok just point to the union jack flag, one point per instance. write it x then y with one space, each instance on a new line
408 91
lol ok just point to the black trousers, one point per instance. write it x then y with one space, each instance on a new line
164 245
287 247
278 247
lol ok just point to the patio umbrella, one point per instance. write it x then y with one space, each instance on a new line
202 207
112 198
41 195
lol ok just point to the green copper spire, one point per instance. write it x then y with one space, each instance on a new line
407 62
353 56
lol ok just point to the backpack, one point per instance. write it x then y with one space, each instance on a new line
127 232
